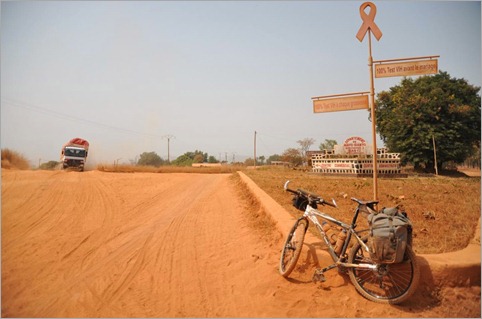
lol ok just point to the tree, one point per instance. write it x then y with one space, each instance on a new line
150 159
249 162
188 158
212 159
261 159
305 145
183 160
273 158
198 158
412 114
328 145
50 165
293 156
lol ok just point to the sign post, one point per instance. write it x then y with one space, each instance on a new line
383 68
370 26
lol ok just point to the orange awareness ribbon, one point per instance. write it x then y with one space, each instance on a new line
368 22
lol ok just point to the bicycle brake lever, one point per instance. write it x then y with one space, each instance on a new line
286 185
334 203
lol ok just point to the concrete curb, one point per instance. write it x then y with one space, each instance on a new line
455 269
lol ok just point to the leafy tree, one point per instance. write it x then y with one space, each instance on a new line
447 109
188 158
183 160
293 156
50 165
328 144
261 160
198 158
150 159
212 159
273 158
305 145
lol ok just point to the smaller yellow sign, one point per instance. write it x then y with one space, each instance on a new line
406 68
340 104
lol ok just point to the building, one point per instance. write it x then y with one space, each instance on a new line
355 157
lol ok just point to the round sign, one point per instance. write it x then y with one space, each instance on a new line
354 145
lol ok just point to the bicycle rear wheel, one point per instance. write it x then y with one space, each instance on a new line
292 247
388 283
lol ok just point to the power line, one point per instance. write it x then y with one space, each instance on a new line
38 109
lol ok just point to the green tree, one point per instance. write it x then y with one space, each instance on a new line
50 165
212 159
150 159
261 160
274 158
183 160
188 158
328 144
436 107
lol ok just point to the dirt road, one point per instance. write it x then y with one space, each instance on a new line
99 244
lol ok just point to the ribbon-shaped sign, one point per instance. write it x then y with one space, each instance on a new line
368 22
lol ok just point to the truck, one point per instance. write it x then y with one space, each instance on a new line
74 154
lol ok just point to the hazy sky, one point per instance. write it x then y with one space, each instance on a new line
123 75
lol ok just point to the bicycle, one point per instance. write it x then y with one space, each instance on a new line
381 283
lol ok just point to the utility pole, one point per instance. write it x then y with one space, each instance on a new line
254 149
168 140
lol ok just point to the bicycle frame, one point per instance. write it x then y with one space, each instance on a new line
312 214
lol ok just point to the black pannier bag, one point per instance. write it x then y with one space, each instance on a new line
390 233
300 202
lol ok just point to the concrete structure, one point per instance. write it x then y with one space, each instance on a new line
355 157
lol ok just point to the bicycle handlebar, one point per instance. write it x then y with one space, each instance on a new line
317 198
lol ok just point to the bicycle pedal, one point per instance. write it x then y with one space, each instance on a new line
318 276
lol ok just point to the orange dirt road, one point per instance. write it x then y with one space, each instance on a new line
97 244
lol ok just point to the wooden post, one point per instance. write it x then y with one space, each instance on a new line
372 112
434 155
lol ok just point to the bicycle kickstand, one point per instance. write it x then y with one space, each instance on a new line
318 275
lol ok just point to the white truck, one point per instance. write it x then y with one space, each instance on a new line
74 154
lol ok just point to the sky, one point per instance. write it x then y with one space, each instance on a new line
177 76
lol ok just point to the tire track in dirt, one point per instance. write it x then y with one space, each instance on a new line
64 200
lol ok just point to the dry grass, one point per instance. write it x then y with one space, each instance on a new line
257 218
14 160
225 169
444 210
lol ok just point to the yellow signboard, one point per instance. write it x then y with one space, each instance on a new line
406 68
348 103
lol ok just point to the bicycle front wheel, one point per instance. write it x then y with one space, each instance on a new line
292 247
388 283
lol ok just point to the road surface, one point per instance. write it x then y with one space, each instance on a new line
98 244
